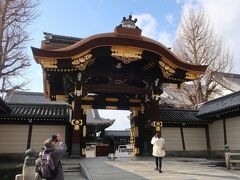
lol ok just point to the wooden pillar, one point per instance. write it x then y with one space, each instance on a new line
182 137
132 133
76 128
79 118
224 131
84 133
29 134
208 139
80 125
135 132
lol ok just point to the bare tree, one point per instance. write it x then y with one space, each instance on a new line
15 17
196 43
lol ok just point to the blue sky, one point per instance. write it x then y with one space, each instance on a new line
158 19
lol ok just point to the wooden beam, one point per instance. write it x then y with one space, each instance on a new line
114 88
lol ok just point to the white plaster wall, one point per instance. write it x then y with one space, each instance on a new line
42 132
216 135
13 138
233 133
173 139
195 139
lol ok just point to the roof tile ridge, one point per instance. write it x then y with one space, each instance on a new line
223 97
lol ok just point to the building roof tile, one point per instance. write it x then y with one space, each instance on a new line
220 105
179 115
117 133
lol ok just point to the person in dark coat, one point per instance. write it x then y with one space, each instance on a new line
111 148
57 154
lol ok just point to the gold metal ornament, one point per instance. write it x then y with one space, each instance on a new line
83 151
157 125
84 131
76 123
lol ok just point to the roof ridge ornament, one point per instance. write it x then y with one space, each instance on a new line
47 36
128 26
129 23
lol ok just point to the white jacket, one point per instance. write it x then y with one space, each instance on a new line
158 144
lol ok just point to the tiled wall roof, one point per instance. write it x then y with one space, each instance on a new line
226 104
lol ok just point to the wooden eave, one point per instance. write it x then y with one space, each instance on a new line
117 39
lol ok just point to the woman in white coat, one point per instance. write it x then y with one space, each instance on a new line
158 150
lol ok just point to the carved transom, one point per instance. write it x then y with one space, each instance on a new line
126 54
48 63
81 61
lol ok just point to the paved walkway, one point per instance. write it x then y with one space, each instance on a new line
101 168
174 168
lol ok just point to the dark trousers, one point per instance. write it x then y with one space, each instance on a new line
158 162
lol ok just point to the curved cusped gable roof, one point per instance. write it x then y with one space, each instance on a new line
118 39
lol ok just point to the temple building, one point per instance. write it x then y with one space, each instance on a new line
120 70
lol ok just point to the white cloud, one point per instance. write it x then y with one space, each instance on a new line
170 18
182 1
149 26
224 16
166 38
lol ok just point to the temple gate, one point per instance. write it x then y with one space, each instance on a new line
119 70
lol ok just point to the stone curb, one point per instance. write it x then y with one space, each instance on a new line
84 171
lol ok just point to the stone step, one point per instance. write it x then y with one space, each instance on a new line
70 163
72 170
73 167
75 156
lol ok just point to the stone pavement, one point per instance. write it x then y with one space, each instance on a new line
74 176
174 168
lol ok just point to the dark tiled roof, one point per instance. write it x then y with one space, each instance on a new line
221 105
95 122
117 133
98 125
42 112
20 97
39 110
33 105
179 115
60 39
